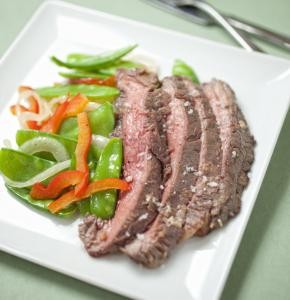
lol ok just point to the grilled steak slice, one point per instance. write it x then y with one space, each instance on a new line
142 110
183 130
209 168
221 195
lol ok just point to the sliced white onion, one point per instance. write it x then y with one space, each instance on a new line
46 144
7 143
92 106
39 177
44 108
52 103
99 140
148 61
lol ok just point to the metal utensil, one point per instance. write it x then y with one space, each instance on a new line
212 13
260 32
189 10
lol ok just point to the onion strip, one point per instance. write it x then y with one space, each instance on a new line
46 144
39 177
44 108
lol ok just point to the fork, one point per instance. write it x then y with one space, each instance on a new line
200 12
265 34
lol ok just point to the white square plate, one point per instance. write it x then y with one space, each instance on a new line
198 268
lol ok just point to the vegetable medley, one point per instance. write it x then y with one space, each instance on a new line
67 159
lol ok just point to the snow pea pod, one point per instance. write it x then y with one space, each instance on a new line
180 68
19 166
93 62
23 194
102 122
23 136
96 93
107 71
103 204
77 57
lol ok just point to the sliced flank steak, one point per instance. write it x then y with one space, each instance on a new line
187 152
209 169
183 129
142 109
237 156
238 149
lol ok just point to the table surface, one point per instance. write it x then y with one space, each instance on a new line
261 269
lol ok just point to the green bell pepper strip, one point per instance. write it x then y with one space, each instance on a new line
23 194
95 61
23 136
82 74
180 68
103 204
94 92
19 166
102 122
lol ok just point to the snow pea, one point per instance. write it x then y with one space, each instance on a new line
77 57
23 194
180 68
103 204
84 207
23 136
93 62
109 70
94 92
19 166
102 122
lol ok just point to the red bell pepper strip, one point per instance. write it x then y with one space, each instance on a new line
33 105
76 105
110 81
96 186
61 181
52 125
82 150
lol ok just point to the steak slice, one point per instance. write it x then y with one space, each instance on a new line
183 130
221 195
209 168
142 111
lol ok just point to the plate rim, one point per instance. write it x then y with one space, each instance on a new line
62 4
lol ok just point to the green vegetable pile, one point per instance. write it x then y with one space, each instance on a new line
19 167
103 163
